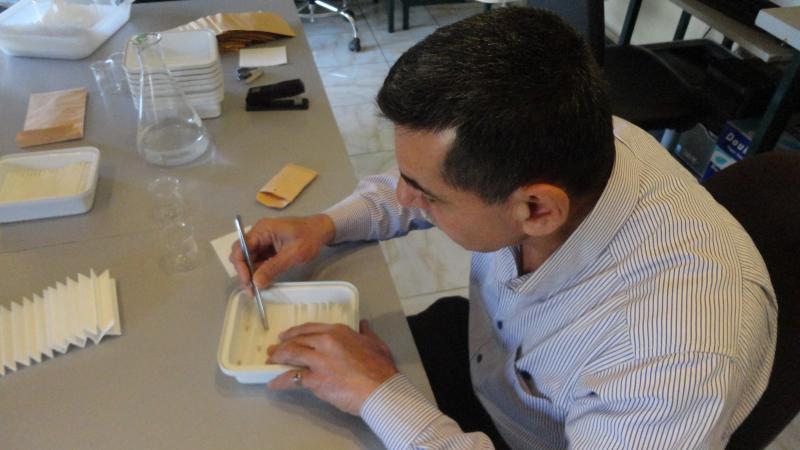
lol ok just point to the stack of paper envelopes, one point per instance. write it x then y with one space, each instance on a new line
192 59
238 30
69 313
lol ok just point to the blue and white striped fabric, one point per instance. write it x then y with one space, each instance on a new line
653 326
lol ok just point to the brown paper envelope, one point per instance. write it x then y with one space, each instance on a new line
30 138
54 117
251 21
236 31
284 187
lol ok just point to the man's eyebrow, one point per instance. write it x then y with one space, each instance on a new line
411 182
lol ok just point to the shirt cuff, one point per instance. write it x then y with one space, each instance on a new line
351 218
398 413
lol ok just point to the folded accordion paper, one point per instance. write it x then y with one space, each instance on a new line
69 313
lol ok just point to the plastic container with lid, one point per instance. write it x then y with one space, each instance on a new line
61 29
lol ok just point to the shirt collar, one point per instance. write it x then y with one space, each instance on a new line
593 235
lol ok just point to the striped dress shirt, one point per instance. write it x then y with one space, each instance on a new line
653 326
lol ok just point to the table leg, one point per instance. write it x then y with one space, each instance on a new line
780 107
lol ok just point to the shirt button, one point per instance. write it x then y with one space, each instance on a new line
479 357
499 324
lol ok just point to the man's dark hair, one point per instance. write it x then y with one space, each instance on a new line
524 95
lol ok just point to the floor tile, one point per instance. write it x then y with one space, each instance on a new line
395 45
363 130
353 85
372 163
426 261
333 50
789 439
448 13
335 24
378 21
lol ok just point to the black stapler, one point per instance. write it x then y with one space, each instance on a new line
276 96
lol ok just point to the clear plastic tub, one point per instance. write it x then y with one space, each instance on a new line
61 29
243 345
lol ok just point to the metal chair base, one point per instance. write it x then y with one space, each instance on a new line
307 11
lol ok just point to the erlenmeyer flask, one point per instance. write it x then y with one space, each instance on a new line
170 132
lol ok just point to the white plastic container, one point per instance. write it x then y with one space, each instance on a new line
19 171
185 52
192 58
35 28
243 344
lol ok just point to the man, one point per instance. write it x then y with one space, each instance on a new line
613 303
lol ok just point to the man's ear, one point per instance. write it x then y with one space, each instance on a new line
541 208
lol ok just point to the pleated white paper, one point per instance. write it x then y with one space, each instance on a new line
68 313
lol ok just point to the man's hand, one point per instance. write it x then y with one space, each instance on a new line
276 245
340 366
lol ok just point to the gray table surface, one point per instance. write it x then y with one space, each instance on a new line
158 385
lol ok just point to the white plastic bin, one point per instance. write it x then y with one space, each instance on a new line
243 345
61 29
37 168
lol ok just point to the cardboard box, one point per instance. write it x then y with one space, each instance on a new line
734 141
736 136
720 159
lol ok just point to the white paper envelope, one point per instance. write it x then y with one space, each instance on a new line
43 332
31 337
262 57
55 320
6 341
108 296
88 308
222 247
18 334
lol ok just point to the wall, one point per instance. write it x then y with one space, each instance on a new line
656 23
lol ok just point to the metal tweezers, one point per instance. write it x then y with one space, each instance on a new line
246 254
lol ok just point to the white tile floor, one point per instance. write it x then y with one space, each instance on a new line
425 265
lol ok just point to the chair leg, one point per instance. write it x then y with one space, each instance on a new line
390 14
355 44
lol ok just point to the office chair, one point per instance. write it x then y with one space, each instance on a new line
762 192
643 88
307 10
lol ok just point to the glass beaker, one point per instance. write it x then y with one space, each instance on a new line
170 132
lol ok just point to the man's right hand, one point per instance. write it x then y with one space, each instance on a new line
276 245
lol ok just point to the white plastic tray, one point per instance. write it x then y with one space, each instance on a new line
182 50
243 344
69 200
210 87
23 34
209 81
